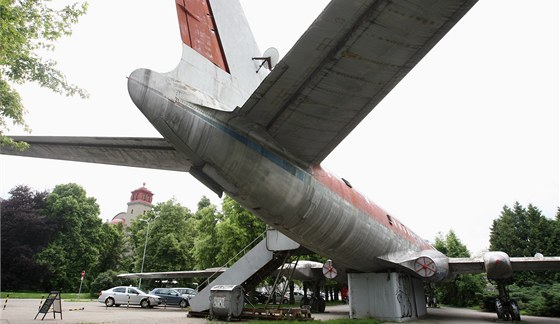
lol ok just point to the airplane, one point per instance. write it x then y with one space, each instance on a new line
257 129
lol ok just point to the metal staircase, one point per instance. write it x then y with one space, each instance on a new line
251 268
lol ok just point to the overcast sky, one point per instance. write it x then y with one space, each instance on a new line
474 127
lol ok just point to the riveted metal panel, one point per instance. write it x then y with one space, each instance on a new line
199 31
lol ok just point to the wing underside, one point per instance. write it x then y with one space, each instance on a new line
153 153
343 66
476 265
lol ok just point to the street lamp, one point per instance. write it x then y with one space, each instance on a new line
148 221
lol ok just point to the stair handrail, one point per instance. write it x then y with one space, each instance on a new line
218 270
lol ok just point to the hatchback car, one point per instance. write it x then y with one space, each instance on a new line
170 296
122 295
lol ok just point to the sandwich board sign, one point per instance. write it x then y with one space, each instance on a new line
53 300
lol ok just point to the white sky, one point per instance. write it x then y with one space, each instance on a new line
474 127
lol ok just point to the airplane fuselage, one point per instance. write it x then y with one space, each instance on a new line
306 203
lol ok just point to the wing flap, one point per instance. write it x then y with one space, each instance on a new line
343 66
153 153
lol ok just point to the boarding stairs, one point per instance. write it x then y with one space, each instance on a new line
259 262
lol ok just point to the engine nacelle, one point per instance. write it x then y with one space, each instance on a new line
498 265
431 265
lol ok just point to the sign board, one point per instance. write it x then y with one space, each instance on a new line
53 300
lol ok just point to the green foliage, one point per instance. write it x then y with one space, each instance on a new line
24 232
523 232
106 280
29 28
206 241
465 290
169 232
221 236
237 230
76 245
536 300
451 245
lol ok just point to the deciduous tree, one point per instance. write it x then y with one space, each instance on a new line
24 232
76 245
28 30
465 290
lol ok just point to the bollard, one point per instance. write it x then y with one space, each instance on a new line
7 296
41 302
128 302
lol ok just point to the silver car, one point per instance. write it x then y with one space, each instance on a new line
187 292
123 295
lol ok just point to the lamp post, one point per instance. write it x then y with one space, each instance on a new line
148 221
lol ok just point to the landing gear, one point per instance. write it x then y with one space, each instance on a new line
317 305
506 308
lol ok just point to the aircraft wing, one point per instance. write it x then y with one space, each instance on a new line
154 153
206 273
343 66
476 265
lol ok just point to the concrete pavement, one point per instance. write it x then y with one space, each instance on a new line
21 311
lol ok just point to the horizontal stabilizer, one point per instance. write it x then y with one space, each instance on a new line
152 153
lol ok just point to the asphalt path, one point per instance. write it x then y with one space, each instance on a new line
20 311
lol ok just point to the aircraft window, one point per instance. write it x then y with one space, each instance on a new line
390 219
347 183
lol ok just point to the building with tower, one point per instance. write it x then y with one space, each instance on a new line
140 202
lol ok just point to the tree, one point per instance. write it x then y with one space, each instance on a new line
236 232
206 242
170 239
24 232
465 290
29 28
523 232
113 254
76 245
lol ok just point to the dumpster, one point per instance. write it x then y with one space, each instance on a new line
226 301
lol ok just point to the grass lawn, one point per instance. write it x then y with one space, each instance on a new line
38 295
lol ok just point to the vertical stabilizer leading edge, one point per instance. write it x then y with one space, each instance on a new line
217 69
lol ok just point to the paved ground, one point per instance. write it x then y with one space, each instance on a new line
20 311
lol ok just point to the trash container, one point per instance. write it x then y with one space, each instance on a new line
226 301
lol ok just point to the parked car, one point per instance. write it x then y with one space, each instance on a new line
258 298
187 292
298 296
171 296
123 295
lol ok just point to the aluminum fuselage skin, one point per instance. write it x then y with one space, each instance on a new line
306 203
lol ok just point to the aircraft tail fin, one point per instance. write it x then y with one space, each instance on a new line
217 64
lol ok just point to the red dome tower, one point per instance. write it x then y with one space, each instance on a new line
140 202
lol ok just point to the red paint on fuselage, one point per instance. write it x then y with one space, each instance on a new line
375 212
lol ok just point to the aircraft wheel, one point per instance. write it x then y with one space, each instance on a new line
321 305
514 311
501 310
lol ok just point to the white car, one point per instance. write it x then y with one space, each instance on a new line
123 295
